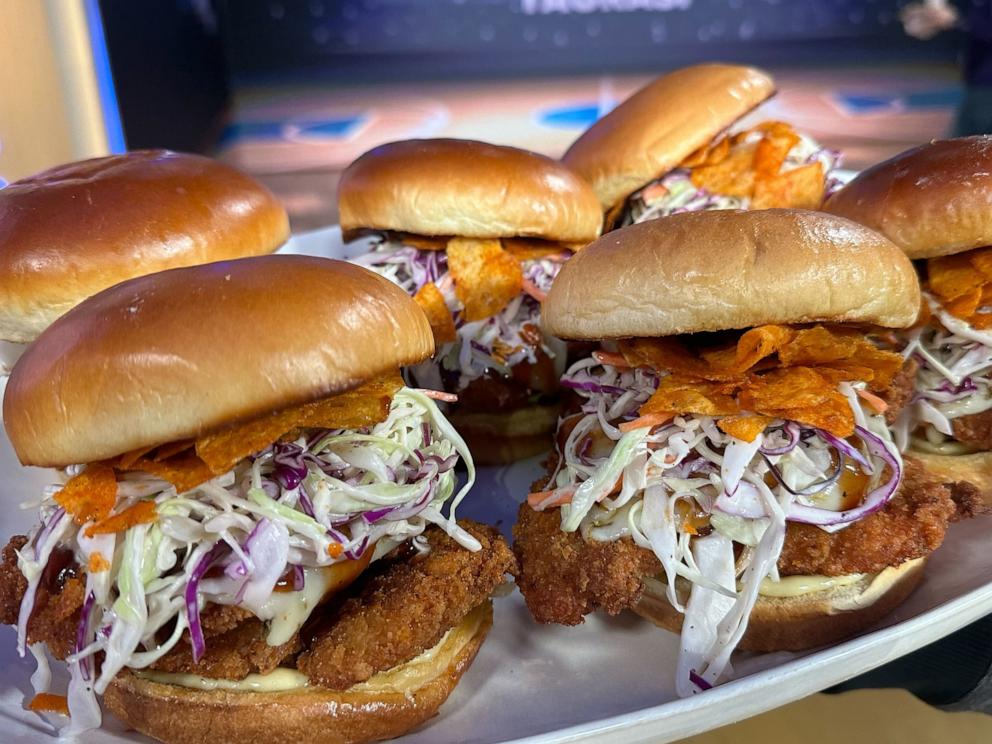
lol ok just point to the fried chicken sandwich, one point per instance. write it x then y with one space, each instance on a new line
669 148
73 230
728 471
935 202
476 233
252 538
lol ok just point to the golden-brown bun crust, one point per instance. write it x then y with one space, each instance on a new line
974 469
170 356
718 270
807 621
502 438
467 189
74 230
933 200
655 129
313 715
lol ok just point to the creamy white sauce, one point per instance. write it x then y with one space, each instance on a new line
287 611
794 586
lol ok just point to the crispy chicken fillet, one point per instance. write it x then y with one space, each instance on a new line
910 526
900 391
406 608
974 429
563 577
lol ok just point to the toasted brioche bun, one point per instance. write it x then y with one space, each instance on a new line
74 230
502 438
975 469
468 189
808 620
314 715
933 200
660 125
719 270
173 355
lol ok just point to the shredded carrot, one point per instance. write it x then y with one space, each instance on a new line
438 395
335 550
141 513
874 402
650 419
46 702
541 500
97 563
534 291
613 360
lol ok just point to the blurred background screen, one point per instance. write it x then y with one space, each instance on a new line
293 90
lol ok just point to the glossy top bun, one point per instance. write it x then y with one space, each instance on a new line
660 125
731 269
71 231
177 354
468 189
933 200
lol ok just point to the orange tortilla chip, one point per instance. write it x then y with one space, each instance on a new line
981 259
423 242
97 563
141 513
125 461
800 394
846 351
733 176
486 277
531 249
710 154
184 472
432 302
771 152
753 346
744 427
799 188
950 277
91 495
364 406
172 449
679 395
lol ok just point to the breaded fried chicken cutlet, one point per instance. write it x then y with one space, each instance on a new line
256 531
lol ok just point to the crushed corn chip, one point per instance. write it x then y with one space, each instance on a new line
770 371
486 277
963 285
422 242
91 495
733 175
800 188
364 406
185 472
141 513
744 427
529 249
97 563
46 702
432 302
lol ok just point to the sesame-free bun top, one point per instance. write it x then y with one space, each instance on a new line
467 189
177 354
731 269
933 200
71 231
660 125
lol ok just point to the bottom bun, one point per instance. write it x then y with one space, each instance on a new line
807 620
388 705
973 469
501 438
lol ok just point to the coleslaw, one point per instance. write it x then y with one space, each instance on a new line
689 492
675 192
283 515
495 344
954 379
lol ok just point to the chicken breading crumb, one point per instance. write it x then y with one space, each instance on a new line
406 608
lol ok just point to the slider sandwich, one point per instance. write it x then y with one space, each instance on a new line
68 232
669 148
729 473
935 202
256 535
476 233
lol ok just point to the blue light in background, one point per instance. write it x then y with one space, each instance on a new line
104 79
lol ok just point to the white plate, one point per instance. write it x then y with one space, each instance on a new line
611 679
